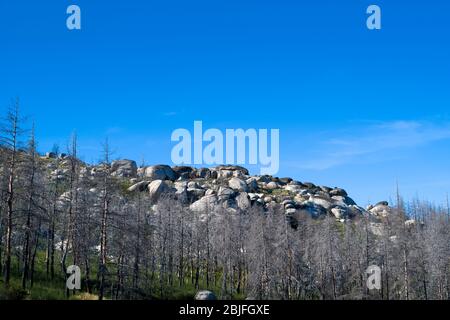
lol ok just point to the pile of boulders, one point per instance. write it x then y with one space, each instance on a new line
234 188
228 187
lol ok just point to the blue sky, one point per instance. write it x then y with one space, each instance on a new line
356 108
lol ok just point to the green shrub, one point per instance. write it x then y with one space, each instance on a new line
13 293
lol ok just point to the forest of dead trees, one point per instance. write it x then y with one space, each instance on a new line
129 249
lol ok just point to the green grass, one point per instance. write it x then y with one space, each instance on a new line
43 288
47 289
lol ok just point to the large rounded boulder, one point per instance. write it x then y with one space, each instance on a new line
205 295
160 172
124 168
237 184
158 187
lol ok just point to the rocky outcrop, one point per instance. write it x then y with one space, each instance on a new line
228 187
124 168
231 187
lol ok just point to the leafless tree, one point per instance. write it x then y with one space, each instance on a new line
10 138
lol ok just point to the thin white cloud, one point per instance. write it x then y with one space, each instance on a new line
374 140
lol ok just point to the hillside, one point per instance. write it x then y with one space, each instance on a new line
157 231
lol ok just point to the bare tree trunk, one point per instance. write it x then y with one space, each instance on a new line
50 255
181 252
26 250
9 223
1 236
33 257
102 268
405 272
31 170
87 274
52 250
104 221
11 137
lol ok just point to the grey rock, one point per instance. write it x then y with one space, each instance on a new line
339 212
240 169
192 185
196 193
205 295
140 186
237 184
158 187
320 202
252 184
203 173
268 199
253 196
243 201
180 186
309 185
354 211
207 203
225 193
343 201
124 168
290 211
293 188
160 172
183 171
264 179
381 209
284 181
338 192
311 209
224 174
272 185
141 172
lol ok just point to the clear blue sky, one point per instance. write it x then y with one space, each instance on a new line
356 108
